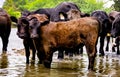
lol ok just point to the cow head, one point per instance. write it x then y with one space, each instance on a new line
63 8
73 14
35 22
112 15
104 20
22 26
116 27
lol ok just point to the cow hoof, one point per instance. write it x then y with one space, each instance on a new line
27 62
47 64
101 54
32 61
39 62
113 49
91 69
4 52
106 49
118 53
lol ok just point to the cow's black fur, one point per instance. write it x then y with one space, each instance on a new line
106 28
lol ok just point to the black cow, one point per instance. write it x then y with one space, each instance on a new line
23 33
115 32
115 41
5 28
106 28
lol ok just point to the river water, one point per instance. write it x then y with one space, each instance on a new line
13 64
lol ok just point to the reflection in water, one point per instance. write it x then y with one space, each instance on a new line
13 65
107 66
3 64
41 71
3 60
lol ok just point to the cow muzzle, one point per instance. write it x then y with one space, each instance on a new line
21 35
33 36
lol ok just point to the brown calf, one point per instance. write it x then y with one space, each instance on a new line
69 35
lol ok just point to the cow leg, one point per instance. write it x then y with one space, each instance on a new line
101 51
79 49
113 48
66 52
39 48
5 42
91 51
60 53
118 51
108 40
91 62
33 53
113 45
27 52
71 53
40 54
117 45
33 56
48 55
48 59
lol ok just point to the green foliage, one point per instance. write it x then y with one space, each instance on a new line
117 5
11 9
14 7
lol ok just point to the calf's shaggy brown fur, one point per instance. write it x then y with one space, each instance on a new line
69 35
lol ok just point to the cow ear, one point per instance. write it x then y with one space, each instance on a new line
45 22
14 19
25 21
112 18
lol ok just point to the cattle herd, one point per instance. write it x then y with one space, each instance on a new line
64 29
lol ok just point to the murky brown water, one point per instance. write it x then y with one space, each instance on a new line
13 64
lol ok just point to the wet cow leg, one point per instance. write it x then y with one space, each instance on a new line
91 51
60 53
5 43
117 45
48 60
27 52
108 40
101 51
33 53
